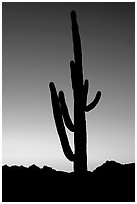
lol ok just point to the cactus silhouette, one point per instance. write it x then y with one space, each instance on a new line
60 110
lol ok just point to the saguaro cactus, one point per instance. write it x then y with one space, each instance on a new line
60 110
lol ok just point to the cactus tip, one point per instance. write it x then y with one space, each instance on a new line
99 93
73 14
51 84
61 94
86 81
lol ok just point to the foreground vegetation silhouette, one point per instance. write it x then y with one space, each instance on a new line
60 110
110 182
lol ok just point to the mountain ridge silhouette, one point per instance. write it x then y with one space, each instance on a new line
111 181
107 162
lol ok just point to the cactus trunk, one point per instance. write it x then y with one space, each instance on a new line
60 110
80 138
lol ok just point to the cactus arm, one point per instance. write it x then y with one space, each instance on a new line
85 89
65 112
86 85
59 123
94 102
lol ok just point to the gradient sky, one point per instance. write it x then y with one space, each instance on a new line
37 49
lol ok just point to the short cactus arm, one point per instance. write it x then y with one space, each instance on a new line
59 123
86 85
94 102
85 89
65 112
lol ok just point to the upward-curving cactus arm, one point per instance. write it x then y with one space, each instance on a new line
94 102
60 124
85 90
65 113
86 86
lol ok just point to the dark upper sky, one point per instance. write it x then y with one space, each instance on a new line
37 49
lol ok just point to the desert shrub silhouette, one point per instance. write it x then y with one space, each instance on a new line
60 110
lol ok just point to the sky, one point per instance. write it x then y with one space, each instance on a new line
37 49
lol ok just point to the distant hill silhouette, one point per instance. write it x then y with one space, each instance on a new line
110 182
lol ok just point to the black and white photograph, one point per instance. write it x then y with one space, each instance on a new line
68 101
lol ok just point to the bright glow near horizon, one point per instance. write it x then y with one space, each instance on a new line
37 49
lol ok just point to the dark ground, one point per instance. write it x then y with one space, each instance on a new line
110 182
